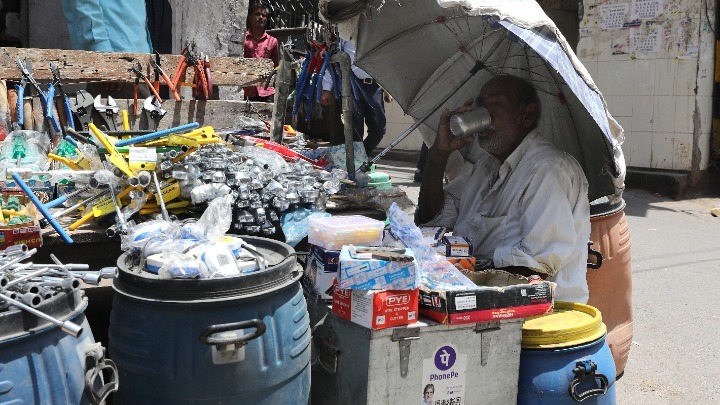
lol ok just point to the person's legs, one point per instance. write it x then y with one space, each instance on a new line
358 116
374 116
422 160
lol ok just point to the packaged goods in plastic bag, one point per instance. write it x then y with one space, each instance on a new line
177 265
436 273
295 223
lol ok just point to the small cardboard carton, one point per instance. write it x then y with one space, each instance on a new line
23 234
457 246
375 274
322 269
499 295
376 309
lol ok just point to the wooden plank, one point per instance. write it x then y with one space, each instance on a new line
84 66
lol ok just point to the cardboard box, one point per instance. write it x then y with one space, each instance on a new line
457 246
376 309
373 274
462 263
432 234
29 234
499 295
322 269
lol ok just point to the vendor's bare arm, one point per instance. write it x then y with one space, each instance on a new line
430 201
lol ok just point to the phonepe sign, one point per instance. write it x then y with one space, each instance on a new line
445 358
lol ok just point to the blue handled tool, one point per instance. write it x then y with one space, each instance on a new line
20 96
302 77
45 98
65 99
41 207
324 67
156 135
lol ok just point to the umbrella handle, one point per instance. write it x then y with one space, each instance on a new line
366 166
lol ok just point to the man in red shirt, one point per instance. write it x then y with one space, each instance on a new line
259 44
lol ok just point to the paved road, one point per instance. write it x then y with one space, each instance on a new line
674 358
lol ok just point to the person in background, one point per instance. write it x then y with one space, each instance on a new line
368 102
108 26
260 44
524 203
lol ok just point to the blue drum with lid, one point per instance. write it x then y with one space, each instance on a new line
238 340
565 359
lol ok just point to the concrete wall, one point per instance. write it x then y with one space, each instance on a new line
653 60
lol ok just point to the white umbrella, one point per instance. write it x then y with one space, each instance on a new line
432 54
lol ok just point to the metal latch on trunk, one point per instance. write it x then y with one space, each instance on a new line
404 337
485 338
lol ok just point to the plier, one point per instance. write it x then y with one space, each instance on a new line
189 58
155 63
138 76
45 98
65 99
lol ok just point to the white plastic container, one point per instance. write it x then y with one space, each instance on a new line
332 233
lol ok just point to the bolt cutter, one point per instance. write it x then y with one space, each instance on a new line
139 75
45 98
65 99
189 58
155 64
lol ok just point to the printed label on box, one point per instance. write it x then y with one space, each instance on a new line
466 302
376 309
373 274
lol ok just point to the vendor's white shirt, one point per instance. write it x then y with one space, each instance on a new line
532 210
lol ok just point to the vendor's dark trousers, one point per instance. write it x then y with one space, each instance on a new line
369 110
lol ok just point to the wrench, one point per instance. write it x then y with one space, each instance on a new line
82 107
107 113
153 112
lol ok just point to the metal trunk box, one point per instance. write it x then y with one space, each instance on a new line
453 364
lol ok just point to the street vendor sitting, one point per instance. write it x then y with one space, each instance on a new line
524 203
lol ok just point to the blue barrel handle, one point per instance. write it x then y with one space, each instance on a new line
206 336
101 381
585 370
41 207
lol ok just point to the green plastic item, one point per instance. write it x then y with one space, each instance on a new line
379 180
13 203
19 147
65 149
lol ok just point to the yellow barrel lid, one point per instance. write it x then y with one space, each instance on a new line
570 324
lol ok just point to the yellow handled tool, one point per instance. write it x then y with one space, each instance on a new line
91 213
69 163
115 157
125 120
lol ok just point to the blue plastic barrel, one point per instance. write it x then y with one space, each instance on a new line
239 340
41 364
565 359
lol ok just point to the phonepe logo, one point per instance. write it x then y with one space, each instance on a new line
395 300
445 358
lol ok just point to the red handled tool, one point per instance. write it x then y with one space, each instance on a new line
189 58
141 76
